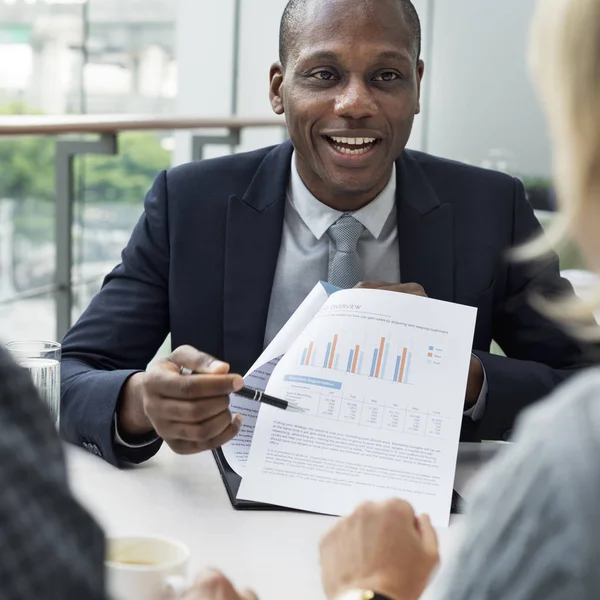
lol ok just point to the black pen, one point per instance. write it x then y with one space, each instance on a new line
255 395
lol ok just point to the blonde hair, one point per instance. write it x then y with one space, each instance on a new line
565 63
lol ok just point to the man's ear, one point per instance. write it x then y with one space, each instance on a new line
276 88
420 73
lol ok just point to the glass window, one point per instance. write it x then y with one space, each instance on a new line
76 56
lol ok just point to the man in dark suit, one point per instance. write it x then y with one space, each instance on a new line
227 249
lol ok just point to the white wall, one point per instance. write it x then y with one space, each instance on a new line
260 48
417 140
481 96
205 58
205 55
476 84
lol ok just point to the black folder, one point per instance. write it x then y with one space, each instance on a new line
232 484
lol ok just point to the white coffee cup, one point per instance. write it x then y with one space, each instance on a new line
146 568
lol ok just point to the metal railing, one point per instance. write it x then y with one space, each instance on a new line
107 129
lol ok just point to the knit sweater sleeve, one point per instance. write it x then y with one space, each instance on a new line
532 515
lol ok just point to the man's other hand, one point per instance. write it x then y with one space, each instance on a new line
190 412
382 547
413 289
213 585
474 382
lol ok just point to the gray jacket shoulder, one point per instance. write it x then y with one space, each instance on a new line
575 404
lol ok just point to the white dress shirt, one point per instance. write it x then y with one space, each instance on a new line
306 252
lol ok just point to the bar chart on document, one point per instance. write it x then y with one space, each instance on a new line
388 375
381 359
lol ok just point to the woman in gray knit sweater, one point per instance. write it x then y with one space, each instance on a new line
533 529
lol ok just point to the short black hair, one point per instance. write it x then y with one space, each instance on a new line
294 11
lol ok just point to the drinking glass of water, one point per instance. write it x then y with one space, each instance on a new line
42 359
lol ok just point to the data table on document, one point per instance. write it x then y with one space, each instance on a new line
388 414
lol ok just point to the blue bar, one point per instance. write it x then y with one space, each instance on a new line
326 361
374 363
324 383
304 356
431 348
336 361
385 357
350 359
360 361
397 369
407 373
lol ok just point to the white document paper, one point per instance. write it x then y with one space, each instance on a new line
381 377
236 451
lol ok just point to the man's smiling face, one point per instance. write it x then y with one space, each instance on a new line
350 89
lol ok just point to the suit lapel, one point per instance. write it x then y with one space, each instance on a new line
253 238
425 232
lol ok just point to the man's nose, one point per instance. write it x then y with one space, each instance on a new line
355 101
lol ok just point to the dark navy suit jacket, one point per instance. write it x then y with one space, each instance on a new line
201 261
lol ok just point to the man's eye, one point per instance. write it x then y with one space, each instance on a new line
387 76
324 76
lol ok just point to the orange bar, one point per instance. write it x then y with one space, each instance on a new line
335 339
380 357
310 349
402 365
355 361
430 354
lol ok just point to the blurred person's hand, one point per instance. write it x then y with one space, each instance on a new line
190 412
381 547
213 585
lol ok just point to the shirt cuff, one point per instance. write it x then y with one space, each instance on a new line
121 442
477 411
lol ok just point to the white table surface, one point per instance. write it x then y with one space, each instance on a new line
183 497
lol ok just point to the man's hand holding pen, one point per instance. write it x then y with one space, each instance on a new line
191 414
256 395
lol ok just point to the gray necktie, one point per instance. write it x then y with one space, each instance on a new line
345 270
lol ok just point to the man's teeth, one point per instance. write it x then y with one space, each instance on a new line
348 151
364 144
353 141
